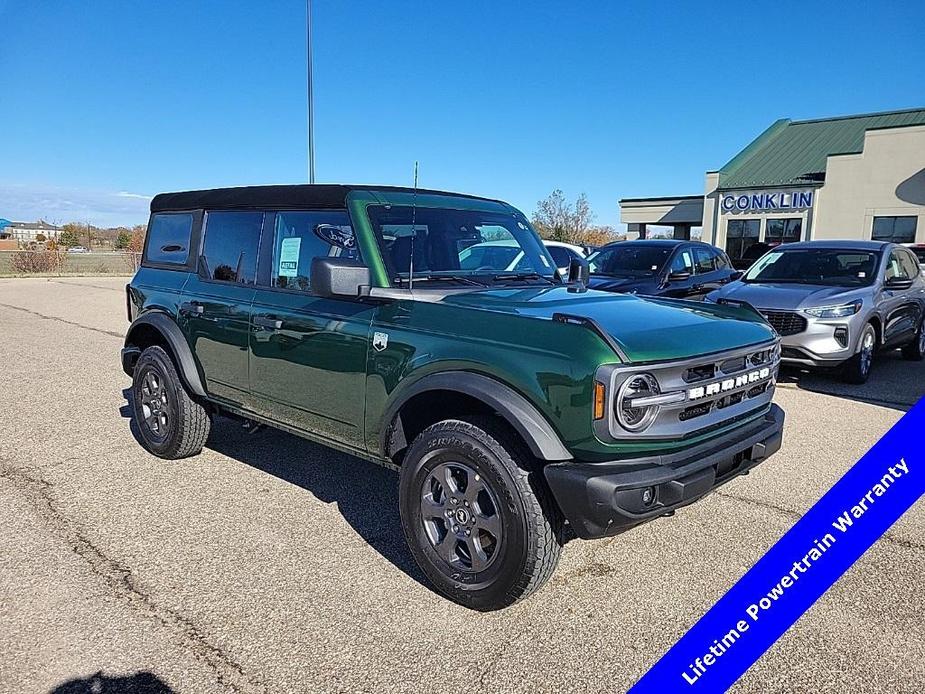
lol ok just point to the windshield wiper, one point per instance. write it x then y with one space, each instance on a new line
444 277
504 276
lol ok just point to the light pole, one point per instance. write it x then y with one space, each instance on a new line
311 100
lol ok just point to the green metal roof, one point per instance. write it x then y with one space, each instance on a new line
794 152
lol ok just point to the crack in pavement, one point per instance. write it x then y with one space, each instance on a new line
125 586
63 320
907 544
93 286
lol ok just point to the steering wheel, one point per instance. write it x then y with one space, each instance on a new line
486 268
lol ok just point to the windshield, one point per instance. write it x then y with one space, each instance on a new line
836 268
468 245
629 260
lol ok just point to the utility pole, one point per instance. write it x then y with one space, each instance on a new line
311 99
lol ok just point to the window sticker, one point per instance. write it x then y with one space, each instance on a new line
289 257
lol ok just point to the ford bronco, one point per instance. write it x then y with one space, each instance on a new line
520 408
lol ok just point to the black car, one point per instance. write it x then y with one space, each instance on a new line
661 267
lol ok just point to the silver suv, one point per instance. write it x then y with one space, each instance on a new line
835 303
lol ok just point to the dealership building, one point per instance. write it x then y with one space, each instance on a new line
853 177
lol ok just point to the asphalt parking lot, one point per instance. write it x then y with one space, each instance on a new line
270 564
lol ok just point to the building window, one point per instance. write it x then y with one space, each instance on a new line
895 229
741 234
780 231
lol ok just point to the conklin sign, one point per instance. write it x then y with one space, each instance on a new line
767 202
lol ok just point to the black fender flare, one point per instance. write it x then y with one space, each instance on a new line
532 426
173 336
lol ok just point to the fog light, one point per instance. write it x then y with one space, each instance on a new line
648 496
841 335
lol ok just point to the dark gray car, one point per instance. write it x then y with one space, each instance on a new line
835 303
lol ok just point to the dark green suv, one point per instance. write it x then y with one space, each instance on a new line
520 408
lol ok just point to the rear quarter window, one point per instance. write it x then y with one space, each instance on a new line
169 238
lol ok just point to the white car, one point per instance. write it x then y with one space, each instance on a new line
77 249
508 254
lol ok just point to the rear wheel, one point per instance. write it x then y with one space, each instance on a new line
170 423
857 369
915 350
476 514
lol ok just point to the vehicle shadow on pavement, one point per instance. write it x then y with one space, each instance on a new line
894 382
98 683
366 494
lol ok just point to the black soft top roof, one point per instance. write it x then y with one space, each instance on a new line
315 196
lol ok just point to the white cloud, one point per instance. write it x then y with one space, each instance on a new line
58 205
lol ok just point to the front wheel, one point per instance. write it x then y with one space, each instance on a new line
857 369
477 515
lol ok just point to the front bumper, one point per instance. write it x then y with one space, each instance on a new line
817 344
603 499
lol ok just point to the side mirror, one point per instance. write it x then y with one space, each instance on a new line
737 275
898 283
338 278
678 276
579 272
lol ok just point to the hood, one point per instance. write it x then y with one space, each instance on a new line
647 329
787 296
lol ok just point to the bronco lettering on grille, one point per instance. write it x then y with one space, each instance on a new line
728 384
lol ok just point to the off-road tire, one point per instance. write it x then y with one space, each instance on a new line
857 369
531 526
915 350
187 424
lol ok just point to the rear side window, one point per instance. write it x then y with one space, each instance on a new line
168 238
229 252
298 240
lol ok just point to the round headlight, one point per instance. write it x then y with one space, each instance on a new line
636 418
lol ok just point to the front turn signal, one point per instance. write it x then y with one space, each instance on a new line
598 400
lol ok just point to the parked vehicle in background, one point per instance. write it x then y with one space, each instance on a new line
564 254
508 255
835 303
661 267
519 409
751 254
78 249
918 250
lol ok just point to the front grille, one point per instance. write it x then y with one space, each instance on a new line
785 322
716 390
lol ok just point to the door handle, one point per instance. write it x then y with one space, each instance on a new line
191 307
272 323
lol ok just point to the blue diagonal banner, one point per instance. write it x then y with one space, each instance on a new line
799 568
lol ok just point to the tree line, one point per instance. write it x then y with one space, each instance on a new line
129 239
557 219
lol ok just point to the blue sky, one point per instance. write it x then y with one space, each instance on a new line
103 102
